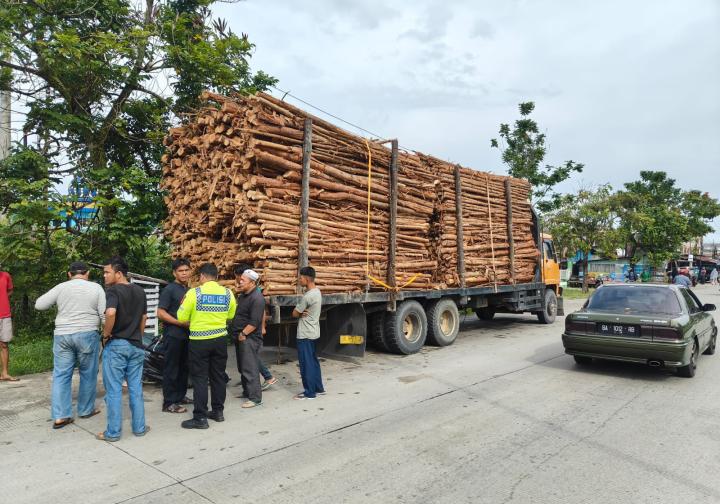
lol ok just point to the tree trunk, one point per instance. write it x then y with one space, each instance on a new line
585 273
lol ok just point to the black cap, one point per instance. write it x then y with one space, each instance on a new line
78 267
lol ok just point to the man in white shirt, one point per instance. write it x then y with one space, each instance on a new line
81 309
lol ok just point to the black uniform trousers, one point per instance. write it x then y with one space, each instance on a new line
175 370
207 363
250 369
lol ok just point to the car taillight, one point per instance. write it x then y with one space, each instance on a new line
574 326
666 333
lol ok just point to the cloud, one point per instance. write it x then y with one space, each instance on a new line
482 29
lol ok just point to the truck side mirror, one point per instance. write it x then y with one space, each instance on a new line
709 307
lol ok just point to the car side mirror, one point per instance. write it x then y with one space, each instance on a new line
709 307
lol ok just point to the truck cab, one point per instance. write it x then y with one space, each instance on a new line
550 265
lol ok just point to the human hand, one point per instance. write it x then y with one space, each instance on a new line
305 314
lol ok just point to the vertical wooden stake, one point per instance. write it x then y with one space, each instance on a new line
304 199
459 228
511 241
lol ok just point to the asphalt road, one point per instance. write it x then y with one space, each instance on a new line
501 416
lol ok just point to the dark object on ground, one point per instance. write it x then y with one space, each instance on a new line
154 361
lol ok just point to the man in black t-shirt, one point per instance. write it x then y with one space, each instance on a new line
124 354
175 335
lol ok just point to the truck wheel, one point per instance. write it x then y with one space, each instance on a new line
549 311
376 331
486 313
406 329
443 320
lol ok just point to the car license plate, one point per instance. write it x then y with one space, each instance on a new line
618 329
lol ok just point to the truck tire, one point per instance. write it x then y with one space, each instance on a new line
406 329
376 331
443 320
485 313
549 310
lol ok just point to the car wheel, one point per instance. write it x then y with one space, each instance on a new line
443 322
710 350
579 359
689 370
549 311
485 313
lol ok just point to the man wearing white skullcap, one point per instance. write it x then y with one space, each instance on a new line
247 330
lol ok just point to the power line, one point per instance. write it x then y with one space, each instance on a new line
287 93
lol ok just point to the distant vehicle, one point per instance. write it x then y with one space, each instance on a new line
594 280
658 325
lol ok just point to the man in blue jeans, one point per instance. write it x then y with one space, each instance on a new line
124 355
81 307
307 312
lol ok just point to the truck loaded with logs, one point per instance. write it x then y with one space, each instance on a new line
400 241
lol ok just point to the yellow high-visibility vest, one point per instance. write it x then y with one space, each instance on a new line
208 308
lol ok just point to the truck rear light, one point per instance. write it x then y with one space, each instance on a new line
666 333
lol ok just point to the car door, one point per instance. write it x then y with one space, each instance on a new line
699 320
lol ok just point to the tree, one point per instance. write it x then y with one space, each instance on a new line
586 223
102 81
656 217
523 151
91 74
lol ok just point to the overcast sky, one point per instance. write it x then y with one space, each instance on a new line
620 86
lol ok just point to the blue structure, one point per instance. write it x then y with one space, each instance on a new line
82 201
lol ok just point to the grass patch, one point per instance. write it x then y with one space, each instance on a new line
575 293
29 357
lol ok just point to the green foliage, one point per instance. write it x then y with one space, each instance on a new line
586 223
523 151
656 217
33 356
102 81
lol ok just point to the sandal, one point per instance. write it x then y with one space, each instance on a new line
141 434
62 423
100 436
10 378
175 408
92 414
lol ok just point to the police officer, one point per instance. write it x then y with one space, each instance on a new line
208 308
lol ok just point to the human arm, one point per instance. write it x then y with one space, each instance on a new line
47 300
256 315
164 304
110 312
101 303
301 309
187 307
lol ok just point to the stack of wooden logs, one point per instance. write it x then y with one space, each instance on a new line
233 171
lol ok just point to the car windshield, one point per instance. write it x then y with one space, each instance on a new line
619 299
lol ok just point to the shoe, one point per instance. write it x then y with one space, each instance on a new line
216 415
268 383
301 397
174 408
250 404
321 393
194 423
186 400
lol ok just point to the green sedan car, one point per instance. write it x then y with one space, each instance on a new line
657 325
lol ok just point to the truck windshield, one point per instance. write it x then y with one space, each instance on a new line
619 299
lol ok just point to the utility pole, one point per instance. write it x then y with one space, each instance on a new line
5 130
